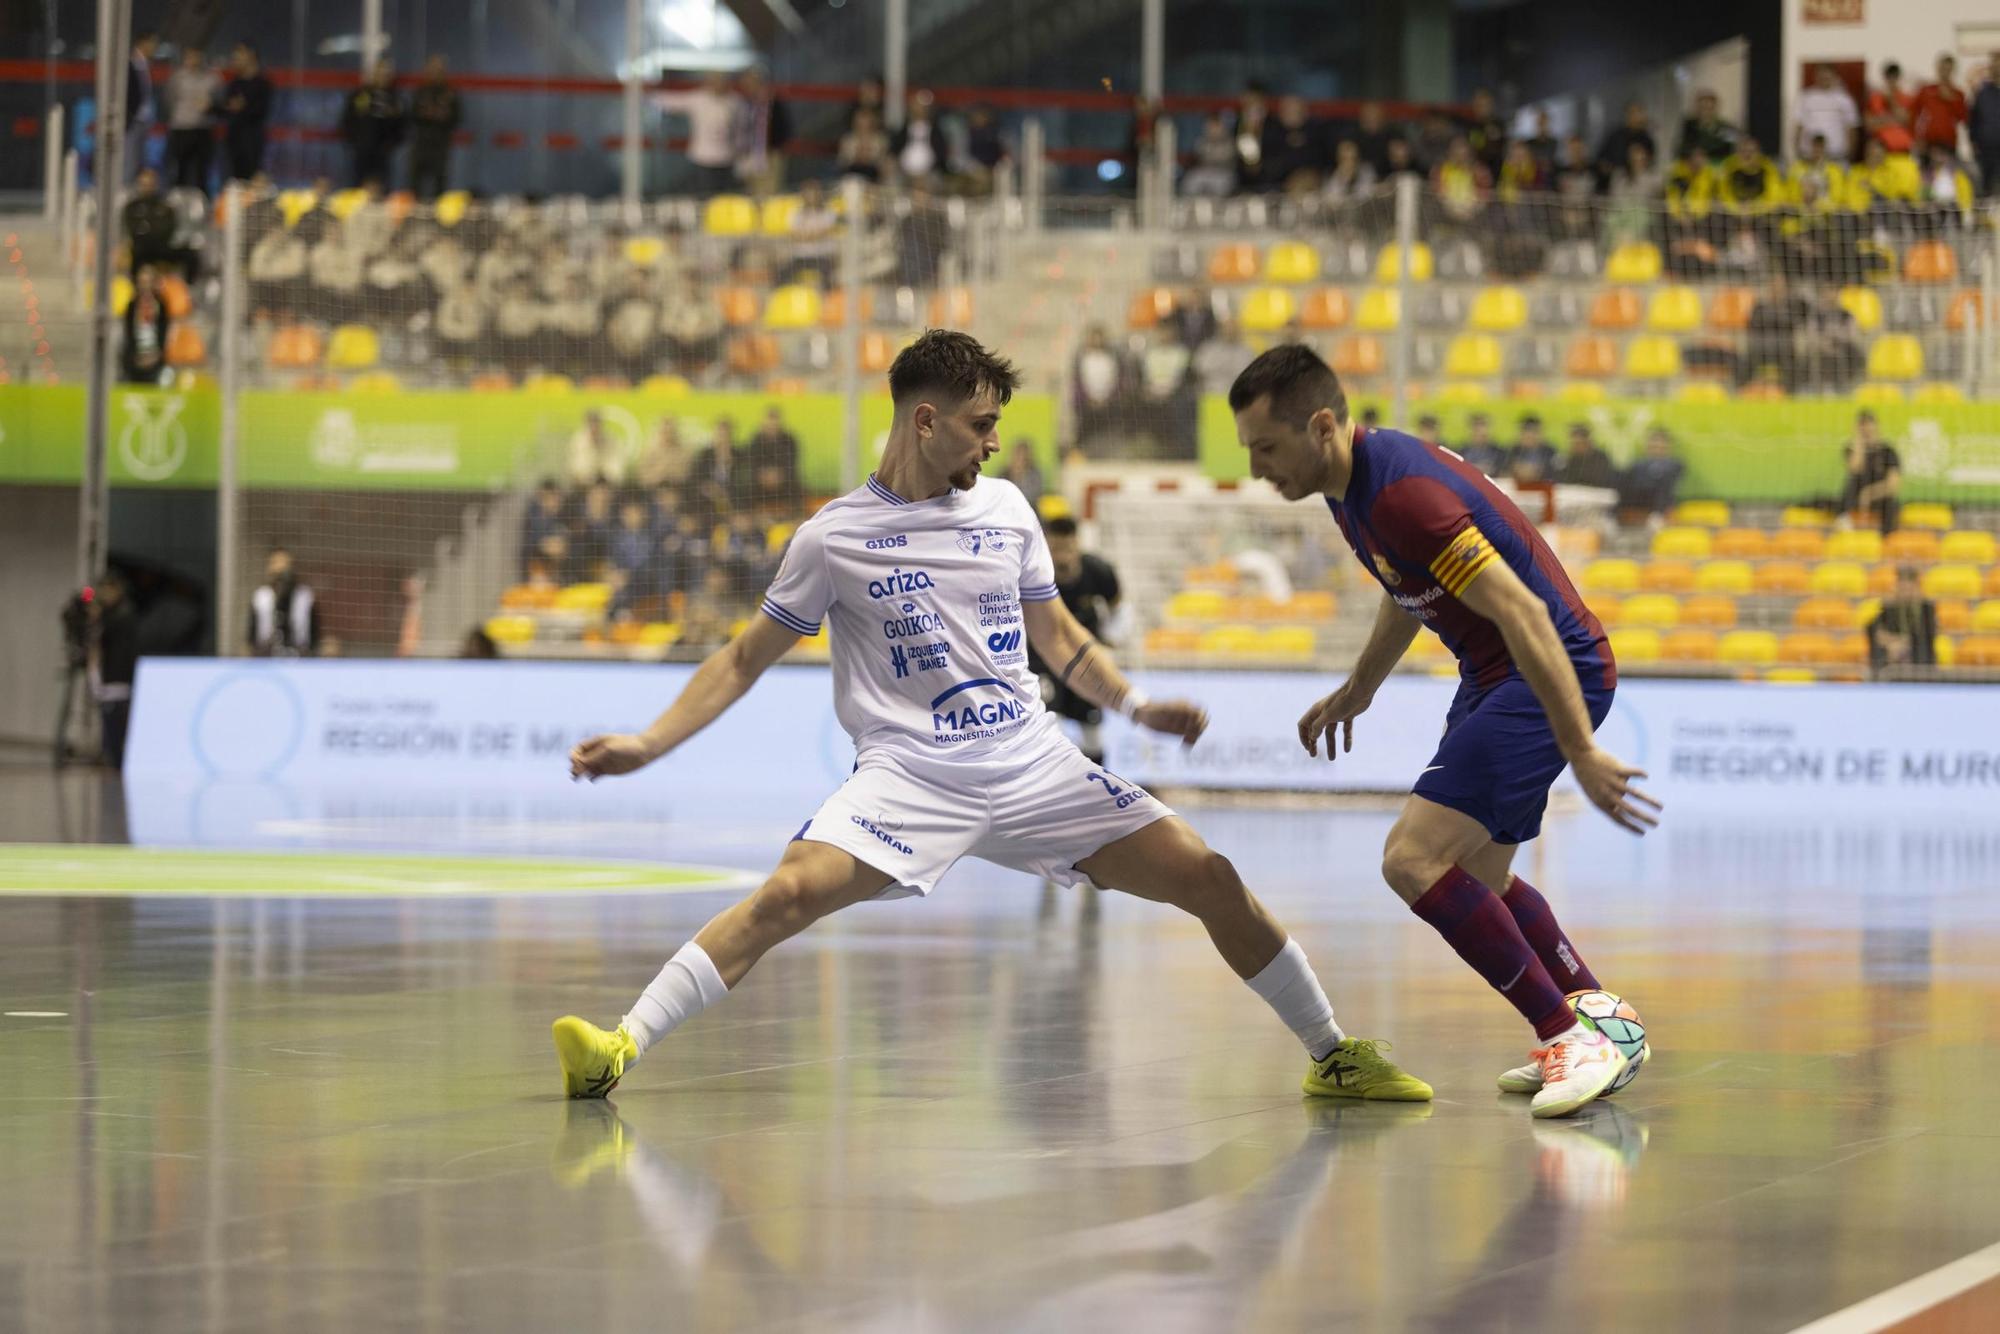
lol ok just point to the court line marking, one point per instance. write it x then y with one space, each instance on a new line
35 1014
1913 1298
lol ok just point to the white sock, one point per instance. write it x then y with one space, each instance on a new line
688 985
1288 986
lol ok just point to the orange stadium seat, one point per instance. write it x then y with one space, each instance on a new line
294 347
1235 262
753 354
1592 355
1954 616
1798 543
951 308
1930 262
1667 576
1689 646
1824 614
876 353
739 305
1742 544
185 347
1615 309
1915 545
1729 309
1326 308
1979 651
1170 640
1808 646
1149 307
1782 578
1711 610
1359 355
833 308
1968 307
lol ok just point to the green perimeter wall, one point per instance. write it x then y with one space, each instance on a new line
467 441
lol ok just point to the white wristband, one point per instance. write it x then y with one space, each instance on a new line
1135 700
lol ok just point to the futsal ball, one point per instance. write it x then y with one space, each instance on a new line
1617 1020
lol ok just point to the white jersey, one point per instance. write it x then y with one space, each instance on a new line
922 599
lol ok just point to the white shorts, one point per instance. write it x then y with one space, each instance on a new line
1041 810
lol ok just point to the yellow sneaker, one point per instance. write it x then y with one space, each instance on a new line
1357 1069
592 1139
592 1059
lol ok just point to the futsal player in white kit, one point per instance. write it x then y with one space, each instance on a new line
934 581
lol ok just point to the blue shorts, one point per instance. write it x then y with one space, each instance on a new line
1499 756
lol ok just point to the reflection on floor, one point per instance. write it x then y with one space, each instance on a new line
993 1110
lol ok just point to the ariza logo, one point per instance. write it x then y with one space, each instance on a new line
1006 641
884 543
899 582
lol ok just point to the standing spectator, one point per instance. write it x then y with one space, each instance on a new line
1826 109
435 113
1101 382
1653 482
1707 130
1296 154
868 95
1533 458
142 109
371 124
1372 137
1139 140
284 616
1543 142
1586 464
246 109
985 151
191 94
543 520
143 358
918 148
1026 473
921 238
773 459
1874 476
711 116
1219 360
760 132
112 662
1904 632
1892 111
1403 162
1983 128
814 249
864 149
1940 110
1480 449
595 455
1251 113
1486 132
1088 586
1616 150
1213 174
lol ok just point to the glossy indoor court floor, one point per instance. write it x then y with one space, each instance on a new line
991 1110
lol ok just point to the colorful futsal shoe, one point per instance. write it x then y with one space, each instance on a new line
1528 1078
592 1139
592 1059
1356 1068
1576 1067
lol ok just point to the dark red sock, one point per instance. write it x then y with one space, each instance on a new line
1474 921
1537 921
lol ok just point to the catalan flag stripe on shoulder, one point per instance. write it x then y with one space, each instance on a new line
1462 560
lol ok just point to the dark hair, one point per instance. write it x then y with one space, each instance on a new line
1060 526
1298 382
1530 419
943 360
1427 422
1479 419
1892 70
1865 415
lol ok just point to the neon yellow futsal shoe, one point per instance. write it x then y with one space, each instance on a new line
592 1139
1357 1069
592 1060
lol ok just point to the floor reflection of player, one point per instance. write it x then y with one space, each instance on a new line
1088 586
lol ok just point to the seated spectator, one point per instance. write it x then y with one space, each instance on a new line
1891 112
922 237
1372 136
985 151
1586 464
1351 179
478 645
1102 382
1430 430
1691 185
1486 131
1533 458
631 543
773 459
1750 182
1813 236
150 224
814 248
1634 192
1433 140
1025 472
711 611
1874 481
1616 150
142 357
1883 181
595 455
1192 320
1829 353
1480 449
864 149
744 550
1213 175
544 518
1653 482
666 462
1252 112
1706 130
1816 164
1947 190
720 478
1576 184
1521 175
590 536
918 146
1826 112
1295 152
1904 632
1222 358
1403 162
1462 184
1543 142
1777 320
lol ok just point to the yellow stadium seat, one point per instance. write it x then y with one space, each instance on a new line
1691 645
1233 641
584 597
1864 305
1946 649
1711 610
1267 309
1805 516
793 307
776 215
1381 310
1462 393
1312 604
1854 544
729 215
1637 645
1732 577
1196 604
1824 614
1799 543
1702 513
1782 578
644 251
547 382
1936 393
1873 395
1986 617
1653 357
1473 356
660 634
527 597
344 204
1968 547
1916 545
1611 576
1928 514
675 385
1687 543
1326 308
1583 391
1742 544
1701 391
1675 309
295 204
1667 576
1634 262
1749 647
1235 262
1896 357
374 382
1290 642
1791 676
1658 610
1388 264
354 347
1951 581
511 629
1291 262
1501 309
1839 579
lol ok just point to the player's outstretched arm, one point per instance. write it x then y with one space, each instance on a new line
1387 642
1498 594
719 682
1085 666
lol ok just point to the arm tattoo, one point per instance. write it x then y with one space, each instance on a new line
1087 646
